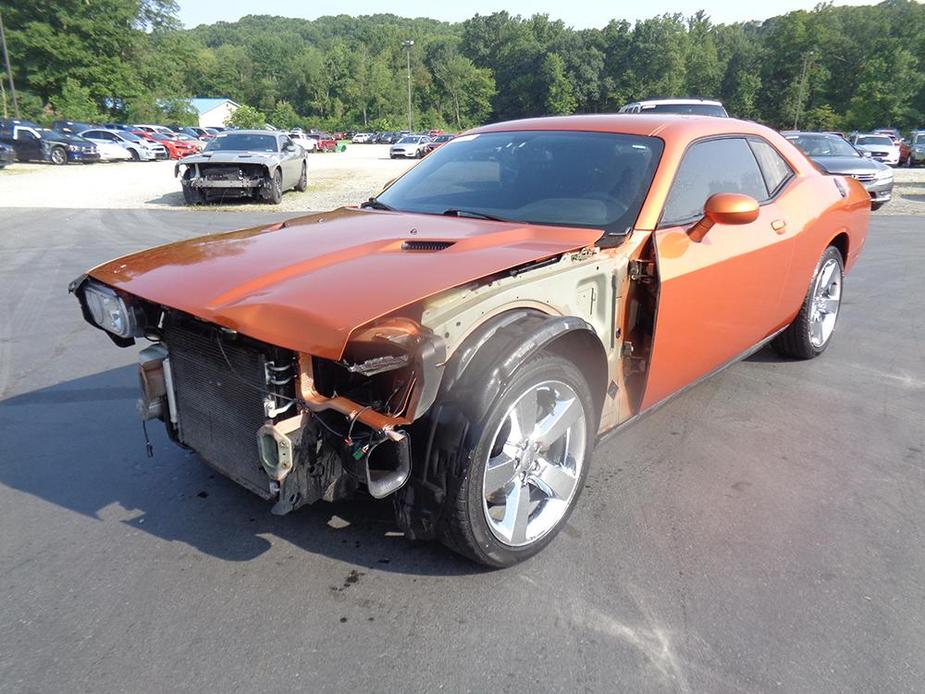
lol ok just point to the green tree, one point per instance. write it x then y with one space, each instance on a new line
74 103
246 117
560 98
283 116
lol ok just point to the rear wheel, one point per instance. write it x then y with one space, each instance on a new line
812 329
58 156
135 155
526 468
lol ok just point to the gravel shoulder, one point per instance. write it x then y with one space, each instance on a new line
335 179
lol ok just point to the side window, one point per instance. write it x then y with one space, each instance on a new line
713 166
774 167
25 135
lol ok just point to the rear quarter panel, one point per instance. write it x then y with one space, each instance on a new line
818 214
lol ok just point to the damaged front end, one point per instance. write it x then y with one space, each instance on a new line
243 178
291 427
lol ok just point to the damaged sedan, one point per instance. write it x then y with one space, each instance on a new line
258 164
459 343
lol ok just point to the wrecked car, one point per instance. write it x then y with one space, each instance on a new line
244 164
460 342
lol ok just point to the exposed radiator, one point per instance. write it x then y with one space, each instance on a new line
220 385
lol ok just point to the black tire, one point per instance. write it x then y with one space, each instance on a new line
463 527
874 206
302 185
274 192
795 341
135 155
192 196
58 156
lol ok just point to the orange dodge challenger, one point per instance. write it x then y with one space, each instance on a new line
460 342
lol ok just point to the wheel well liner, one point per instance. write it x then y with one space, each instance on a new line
473 378
841 243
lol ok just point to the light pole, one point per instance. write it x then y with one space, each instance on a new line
804 74
407 44
9 70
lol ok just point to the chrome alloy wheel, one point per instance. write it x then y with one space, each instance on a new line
825 304
534 463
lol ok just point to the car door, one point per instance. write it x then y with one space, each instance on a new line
292 164
27 143
719 296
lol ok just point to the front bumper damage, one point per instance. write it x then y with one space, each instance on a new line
312 445
225 177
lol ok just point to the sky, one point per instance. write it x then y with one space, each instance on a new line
581 15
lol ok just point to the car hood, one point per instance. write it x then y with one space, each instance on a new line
849 166
232 158
307 284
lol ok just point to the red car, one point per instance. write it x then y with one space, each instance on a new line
176 148
326 142
438 140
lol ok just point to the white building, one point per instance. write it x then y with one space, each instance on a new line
213 112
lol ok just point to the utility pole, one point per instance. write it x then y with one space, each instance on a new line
407 44
804 74
9 70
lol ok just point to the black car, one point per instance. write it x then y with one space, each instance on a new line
7 155
71 127
833 155
32 142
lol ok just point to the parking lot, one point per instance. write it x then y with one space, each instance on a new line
762 532
335 179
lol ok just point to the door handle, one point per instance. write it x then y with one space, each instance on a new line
779 225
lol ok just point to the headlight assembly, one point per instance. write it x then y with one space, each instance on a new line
110 312
885 174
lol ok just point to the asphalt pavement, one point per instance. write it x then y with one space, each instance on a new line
764 532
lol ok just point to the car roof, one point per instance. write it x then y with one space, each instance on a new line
656 102
663 125
252 132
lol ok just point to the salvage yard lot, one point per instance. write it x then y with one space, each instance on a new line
335 179
761 533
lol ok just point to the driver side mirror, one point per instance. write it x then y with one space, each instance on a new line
724 208
289 147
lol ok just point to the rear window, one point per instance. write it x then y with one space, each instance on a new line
878 140
774 168
691 109
710 167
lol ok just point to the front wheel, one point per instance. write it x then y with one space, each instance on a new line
812 329
302 185
527 465
274 191
58 156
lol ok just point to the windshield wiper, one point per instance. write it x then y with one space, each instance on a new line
373 204
452 212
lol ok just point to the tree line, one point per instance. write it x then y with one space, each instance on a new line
829 68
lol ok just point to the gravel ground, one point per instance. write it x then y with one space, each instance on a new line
335 179
344 178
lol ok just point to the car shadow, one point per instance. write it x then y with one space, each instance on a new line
79 445
767 355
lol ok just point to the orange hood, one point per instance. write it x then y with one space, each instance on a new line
309 283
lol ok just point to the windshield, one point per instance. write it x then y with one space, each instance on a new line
694 109
918 139
823 146
129 136
541 177
409 141
881 140
242 142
